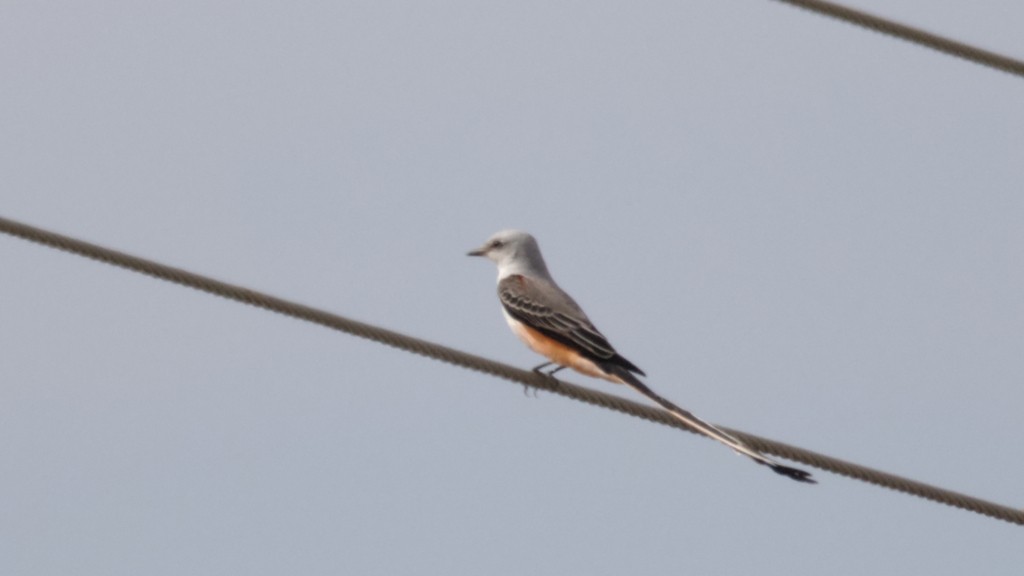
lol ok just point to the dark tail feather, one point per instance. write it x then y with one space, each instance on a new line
705 428
794 473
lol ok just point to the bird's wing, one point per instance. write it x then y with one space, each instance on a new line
545 307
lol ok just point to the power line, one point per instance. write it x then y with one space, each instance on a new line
466 360
911 34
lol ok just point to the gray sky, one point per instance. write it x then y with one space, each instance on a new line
797 228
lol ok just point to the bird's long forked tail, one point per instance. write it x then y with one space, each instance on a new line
707 429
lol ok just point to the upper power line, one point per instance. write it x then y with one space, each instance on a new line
912 34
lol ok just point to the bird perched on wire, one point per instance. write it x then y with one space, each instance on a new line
552 324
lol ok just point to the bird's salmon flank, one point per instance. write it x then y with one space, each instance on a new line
555 351
551 324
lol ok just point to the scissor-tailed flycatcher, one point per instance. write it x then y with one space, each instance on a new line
551 323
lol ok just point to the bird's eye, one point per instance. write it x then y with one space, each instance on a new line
496 243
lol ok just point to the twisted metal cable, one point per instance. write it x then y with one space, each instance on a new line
473 362
911 34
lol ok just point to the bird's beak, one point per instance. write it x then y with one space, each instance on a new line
478 252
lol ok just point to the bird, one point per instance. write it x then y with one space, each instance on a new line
553 325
